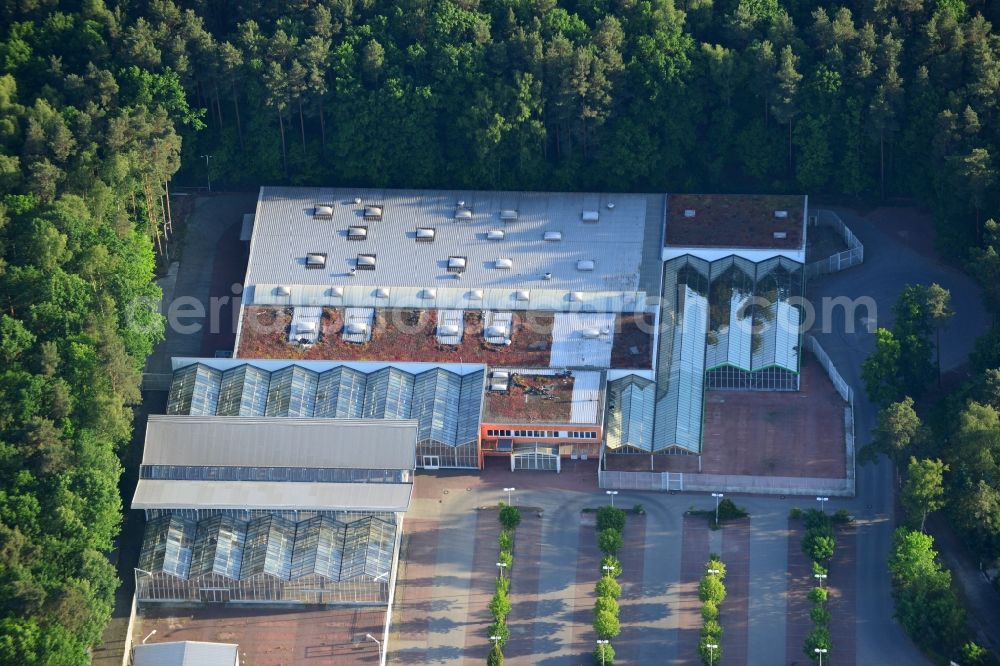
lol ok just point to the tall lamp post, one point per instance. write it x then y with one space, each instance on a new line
717 496
207 173
820 652
502 565
601 642
820 577
822 503
509 491
612 493
712 647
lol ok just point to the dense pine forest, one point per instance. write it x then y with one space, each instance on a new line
101 103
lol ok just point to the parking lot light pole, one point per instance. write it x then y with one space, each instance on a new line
612 493
502 565
820 577
822 503
148 636
207 173
378 643
715 572
712 647
607 569
820 652
717 496
602 642
496 639
509 491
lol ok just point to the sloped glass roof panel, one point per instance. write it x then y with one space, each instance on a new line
319 548
167 546
195 391
218 547
268 549
243 391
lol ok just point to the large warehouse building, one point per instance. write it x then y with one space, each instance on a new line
530 325
272 509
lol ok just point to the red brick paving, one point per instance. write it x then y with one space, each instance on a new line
843 590
694 554
482 586
581 593
273 636
415 583
522 621
632 557
578 475
792 433
800 581
734 613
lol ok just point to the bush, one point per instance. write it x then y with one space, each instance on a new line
608 587
819 615
500 606
795 513
709 611
729 511
711 631
495 657
500 629
638 509
604 654
606 604
818 520
506 540
819 637
819 569
818 546
611 561
510 516
606 624
718 565
609 517
818 595
610 541
841 517
503 584
711 589
709 657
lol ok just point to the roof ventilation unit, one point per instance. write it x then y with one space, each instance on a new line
782 214
306 327
282 290
447 330
464 214
373 212
425 234
508 215
546 276
495 331
780 235
552 236
457 264
316 260
585 265
575 296
590 333
357 200
337 292
428 293
323 212
381 292
590 216
475 295
611 205
522 295
494 234
356 328
689 212
366 262
357 233
504 264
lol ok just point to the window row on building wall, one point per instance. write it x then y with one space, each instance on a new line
542 434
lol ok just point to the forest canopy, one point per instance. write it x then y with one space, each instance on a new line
101 102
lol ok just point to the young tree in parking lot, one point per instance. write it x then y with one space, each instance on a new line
610 541
897 426
923 491
881 370
606 624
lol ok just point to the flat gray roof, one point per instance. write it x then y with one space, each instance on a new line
273 495
236 441
285 231
185 653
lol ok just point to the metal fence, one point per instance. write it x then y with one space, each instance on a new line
852 256
843 388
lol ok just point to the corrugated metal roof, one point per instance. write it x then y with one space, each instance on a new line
229 441
185 653
273 495
285 232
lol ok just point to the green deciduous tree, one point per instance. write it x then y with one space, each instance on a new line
923 491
